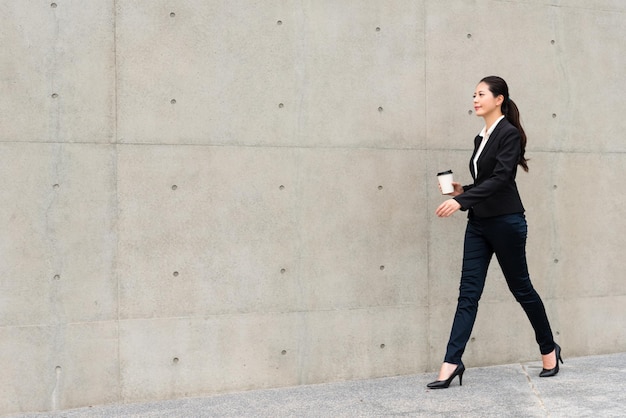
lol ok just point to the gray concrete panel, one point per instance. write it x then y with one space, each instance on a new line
607 5
207 66
57 71
213 227
393 339
280 68
365 243
591 77
177 202
590 254
182 357
58 240
58 367
29 376
373 53
87 368
599 323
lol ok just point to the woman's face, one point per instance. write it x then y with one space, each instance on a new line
484 102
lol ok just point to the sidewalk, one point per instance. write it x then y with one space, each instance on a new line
585 387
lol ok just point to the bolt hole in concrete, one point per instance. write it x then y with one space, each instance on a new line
175 274
174 187
382 268
283 352
553 42
554 115
380 187
173 101
377 29
469 112
57 277
54 95
469 36
281 187
175 360
55 186
380 109
53 5
283 271
382 346
172 14
280 22
280 105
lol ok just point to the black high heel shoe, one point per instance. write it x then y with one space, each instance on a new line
553 372
443 384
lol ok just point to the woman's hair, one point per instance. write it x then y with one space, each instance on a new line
498 87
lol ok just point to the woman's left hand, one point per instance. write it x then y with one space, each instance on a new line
447 208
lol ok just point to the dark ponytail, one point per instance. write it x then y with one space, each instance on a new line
498 87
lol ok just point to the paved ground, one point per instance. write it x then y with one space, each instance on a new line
585 387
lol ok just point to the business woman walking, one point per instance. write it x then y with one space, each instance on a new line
496 225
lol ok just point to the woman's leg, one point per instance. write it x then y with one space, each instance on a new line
508 238
477 253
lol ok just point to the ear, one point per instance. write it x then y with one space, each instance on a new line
499 100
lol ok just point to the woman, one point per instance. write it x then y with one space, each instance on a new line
496 224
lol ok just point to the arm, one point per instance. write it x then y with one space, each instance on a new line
450 206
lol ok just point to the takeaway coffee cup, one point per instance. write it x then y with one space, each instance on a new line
445 181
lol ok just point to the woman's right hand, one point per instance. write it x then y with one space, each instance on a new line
458 189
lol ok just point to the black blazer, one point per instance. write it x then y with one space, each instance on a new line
494 192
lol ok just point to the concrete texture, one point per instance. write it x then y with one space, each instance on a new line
585 387
204 197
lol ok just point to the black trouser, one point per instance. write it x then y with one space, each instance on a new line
506 237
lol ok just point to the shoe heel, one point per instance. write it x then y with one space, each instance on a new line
443 384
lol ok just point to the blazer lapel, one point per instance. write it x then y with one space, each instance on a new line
490 142
494 134
477 142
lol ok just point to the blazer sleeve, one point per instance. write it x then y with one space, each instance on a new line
507 151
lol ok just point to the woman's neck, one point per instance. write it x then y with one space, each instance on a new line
491 118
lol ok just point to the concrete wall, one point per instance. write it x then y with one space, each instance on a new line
208 196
